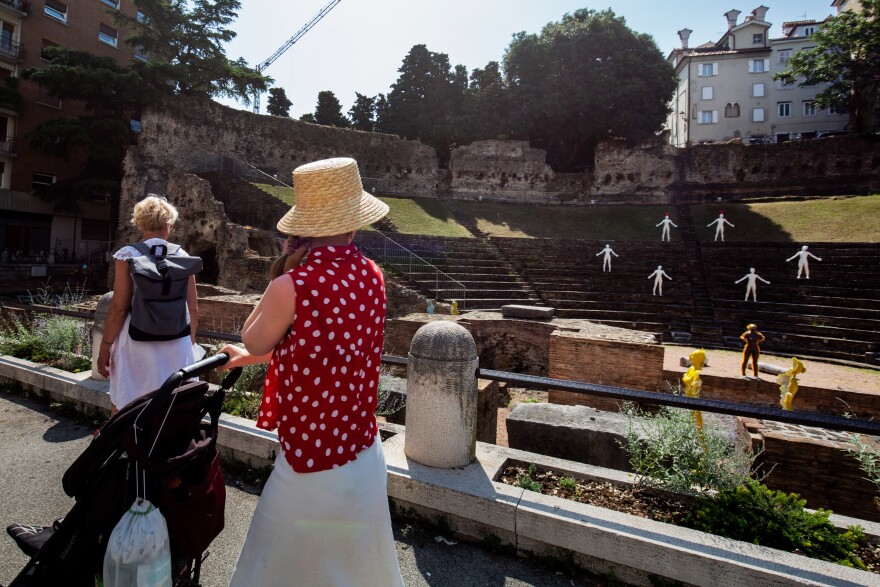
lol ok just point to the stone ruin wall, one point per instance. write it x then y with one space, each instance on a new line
194 135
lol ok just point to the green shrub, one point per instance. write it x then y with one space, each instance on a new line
668 451
568 483
753 513
245 396
61 341
868 458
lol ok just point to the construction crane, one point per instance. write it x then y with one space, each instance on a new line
289 43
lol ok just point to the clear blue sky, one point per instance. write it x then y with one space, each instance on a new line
360 44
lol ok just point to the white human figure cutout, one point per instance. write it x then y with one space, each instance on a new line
719 229
606 261
666 222
658 276
803 261
751 286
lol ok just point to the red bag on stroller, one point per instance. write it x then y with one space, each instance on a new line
166 441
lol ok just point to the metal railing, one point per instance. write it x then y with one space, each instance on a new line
9 48
814 419
246 171
20 5
389 252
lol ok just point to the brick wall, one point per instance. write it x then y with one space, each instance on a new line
765 392
613 363
811 462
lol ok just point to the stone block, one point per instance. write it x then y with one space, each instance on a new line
528 312
576 433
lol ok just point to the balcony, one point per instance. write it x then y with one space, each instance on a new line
7 146
20 6
9 50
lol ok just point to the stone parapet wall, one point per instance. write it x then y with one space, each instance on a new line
194 135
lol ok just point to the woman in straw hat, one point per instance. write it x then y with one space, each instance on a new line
323 515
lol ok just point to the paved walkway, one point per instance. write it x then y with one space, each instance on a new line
37 444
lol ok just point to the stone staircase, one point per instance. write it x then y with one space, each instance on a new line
703 328
489 279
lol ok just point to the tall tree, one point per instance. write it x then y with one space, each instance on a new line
363 112
183 41
112 94
846 59
381 109
329 111
486 115
278 104
583 79
426 99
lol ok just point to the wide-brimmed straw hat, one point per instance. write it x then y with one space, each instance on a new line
330 200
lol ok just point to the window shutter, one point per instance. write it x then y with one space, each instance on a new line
714 69
57 6
110 32
766 65
714 116
751 66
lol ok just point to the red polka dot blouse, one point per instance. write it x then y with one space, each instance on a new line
321 386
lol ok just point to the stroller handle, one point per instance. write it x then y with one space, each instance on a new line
199 368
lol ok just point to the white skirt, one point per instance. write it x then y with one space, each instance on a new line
331 528
139 367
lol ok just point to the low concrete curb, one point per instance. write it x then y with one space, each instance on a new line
472 503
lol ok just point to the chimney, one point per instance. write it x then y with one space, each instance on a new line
731 15
760 13
684 35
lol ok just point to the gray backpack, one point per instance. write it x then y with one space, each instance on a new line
158 302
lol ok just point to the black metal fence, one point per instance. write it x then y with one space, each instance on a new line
818 420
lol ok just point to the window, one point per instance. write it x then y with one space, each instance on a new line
758 90
783 56
56 10
708 92
757 115
759 65
731 110
708 69
781 85
783 109
809 30
832 110
758 39
46 99
107 35
142 18
46 45
94 230
112 3
708 116
809 108
41 181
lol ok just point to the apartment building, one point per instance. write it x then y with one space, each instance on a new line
29 225
726 89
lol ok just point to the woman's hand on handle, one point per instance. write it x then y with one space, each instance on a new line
239 357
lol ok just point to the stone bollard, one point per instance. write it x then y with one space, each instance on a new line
98 332
441 398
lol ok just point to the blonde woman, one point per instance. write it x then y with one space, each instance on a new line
323 517
136 368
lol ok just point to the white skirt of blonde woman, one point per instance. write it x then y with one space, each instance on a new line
326 529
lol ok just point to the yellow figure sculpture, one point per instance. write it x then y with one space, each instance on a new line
693 384
454 307
788 384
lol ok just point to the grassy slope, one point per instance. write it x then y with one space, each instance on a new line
838 219
423 216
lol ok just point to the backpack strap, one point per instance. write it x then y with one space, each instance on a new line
142 248
161 263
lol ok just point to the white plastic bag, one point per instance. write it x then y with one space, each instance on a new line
139 554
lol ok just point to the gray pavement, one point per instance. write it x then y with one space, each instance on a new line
37 443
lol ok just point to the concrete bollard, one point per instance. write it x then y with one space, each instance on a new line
98 332
441 402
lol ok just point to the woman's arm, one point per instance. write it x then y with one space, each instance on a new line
239 357
192 304
272 317
116 313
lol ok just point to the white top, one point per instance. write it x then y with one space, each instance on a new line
139 367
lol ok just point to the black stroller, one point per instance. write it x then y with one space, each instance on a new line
166 441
